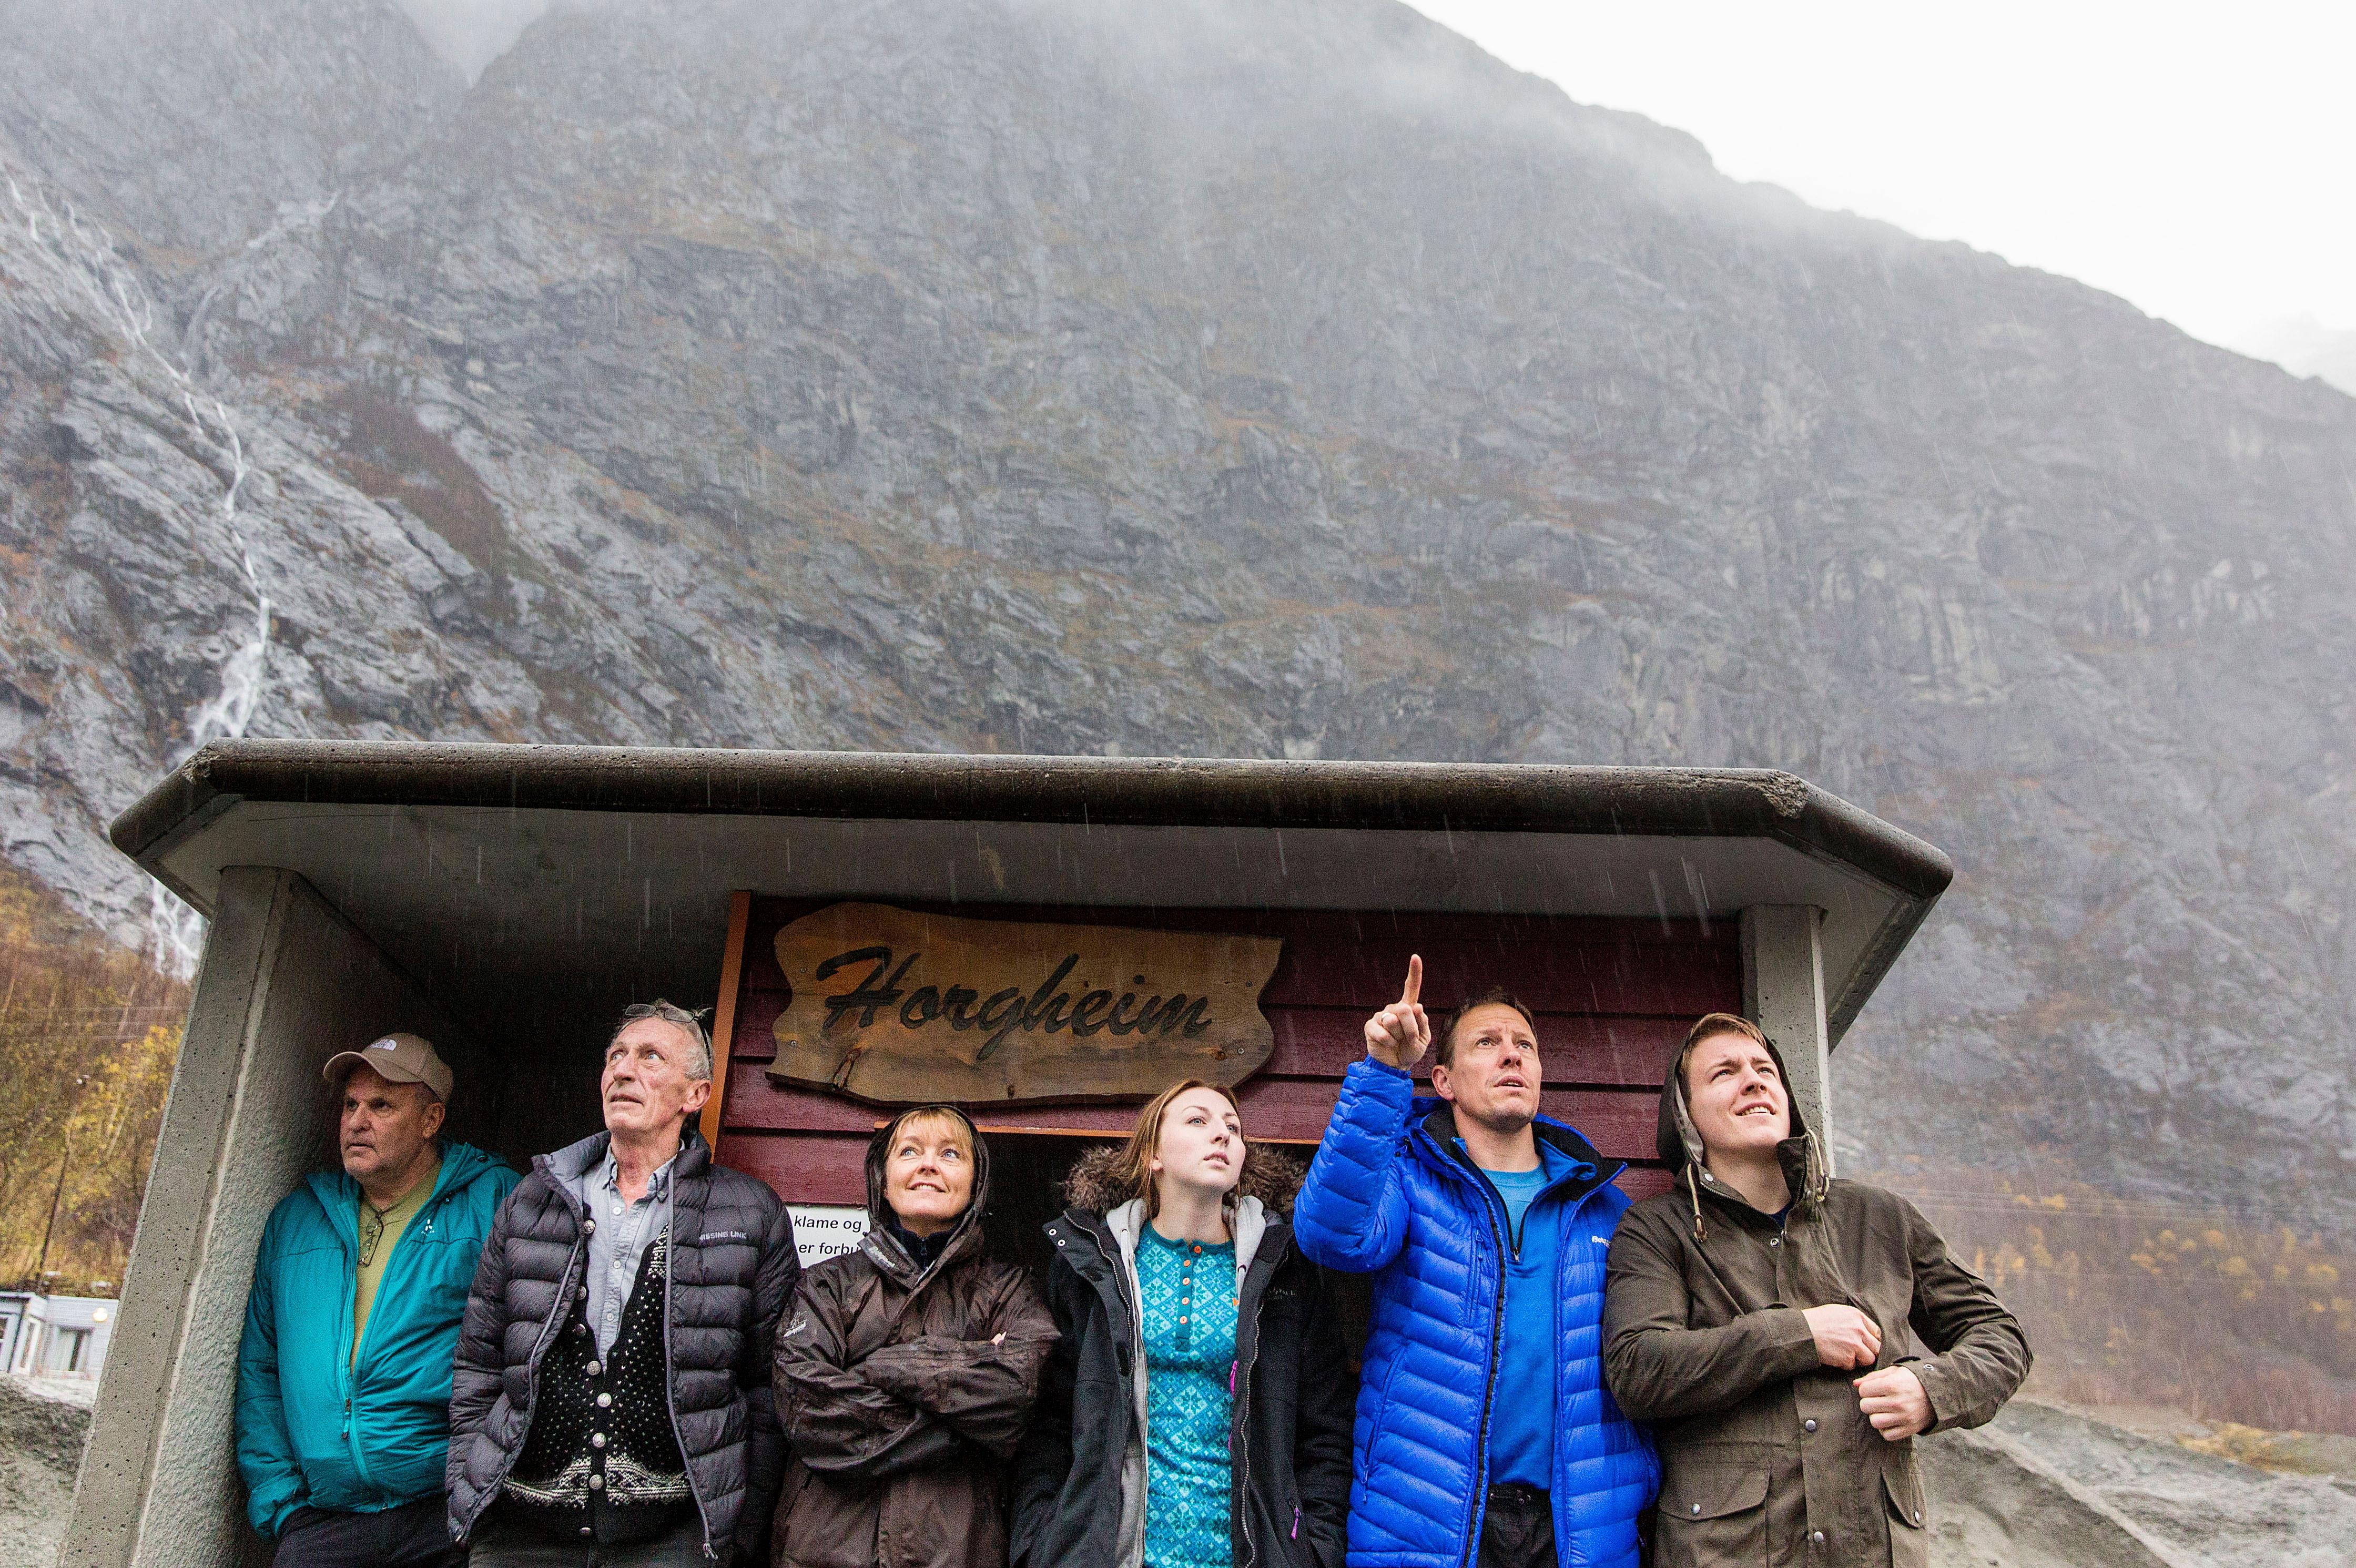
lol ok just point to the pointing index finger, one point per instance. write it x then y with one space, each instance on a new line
1414 989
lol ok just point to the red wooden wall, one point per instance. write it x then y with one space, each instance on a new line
1612 996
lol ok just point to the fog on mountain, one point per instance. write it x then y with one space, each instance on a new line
1207 379
471 34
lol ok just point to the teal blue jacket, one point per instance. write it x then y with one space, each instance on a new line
314 1428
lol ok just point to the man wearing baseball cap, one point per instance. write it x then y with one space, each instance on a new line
343 1377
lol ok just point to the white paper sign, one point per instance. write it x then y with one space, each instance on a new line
823 1231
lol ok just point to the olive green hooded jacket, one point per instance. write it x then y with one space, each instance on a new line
1765 1456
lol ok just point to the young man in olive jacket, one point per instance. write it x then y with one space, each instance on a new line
1764 1319
611 1405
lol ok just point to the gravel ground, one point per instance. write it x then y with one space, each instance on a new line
41 1430
2045 1486
2042 1487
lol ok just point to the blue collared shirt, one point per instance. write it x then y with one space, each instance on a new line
619 1236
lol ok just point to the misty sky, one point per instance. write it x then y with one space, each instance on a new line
2198 160
470 34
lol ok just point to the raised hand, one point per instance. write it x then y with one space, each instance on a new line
1894 1400
1845 1336
1400 1033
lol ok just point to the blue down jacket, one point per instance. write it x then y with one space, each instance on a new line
1389 1193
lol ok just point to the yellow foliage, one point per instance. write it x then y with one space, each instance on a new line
2250 1445
2222 1320
88 1036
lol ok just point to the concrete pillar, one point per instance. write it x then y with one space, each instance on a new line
1784 994
286 983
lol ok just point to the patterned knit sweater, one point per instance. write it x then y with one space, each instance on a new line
1189 1316
601 1459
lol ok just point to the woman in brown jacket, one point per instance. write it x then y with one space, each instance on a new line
1765 1319
907 1369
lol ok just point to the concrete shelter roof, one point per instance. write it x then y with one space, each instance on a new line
480 867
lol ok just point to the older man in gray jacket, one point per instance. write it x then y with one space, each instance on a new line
611 1405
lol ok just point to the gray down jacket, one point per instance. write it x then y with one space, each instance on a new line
732 1269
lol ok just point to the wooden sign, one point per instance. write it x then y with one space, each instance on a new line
895 1006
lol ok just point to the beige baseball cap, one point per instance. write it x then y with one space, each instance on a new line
402 1058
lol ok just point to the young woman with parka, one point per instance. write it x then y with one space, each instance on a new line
1196 1412
1788 1335
907 1369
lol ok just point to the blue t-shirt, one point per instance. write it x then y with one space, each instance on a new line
1521 1415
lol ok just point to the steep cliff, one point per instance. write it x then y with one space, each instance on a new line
1193 378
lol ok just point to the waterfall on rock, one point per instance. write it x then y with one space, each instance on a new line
82 253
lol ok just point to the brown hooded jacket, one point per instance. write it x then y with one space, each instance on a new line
1765 1456
900 1413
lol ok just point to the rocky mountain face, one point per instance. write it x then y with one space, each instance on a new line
1193 378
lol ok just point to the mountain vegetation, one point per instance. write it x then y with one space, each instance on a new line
88 1033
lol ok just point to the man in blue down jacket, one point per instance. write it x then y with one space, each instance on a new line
1485 1225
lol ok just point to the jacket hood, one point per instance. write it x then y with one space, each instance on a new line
881 1246
463 1164
1269 1175
1680 1146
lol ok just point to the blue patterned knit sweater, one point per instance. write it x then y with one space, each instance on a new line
1188 1291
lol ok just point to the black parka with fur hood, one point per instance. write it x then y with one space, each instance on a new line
1080 1478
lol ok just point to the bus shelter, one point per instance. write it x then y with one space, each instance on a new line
1044 940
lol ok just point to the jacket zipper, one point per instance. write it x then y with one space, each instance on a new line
1123 1269
1490 1203
348 1366
1239 1473
547 1332
1489 1206
670 1378
1488 1390
358 1358
1108 1248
